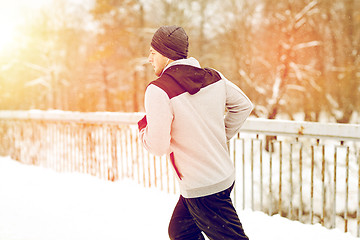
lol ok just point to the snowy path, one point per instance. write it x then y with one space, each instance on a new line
39 204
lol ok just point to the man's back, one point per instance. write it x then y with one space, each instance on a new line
195 101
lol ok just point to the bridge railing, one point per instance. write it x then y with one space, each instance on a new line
309 172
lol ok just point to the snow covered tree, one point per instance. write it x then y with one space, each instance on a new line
120 39
340 31
287 56
272 55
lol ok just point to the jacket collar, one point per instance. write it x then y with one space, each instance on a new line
187 61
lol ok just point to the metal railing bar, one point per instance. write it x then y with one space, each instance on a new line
291 181
154 167
133 153
235 166
280 177
322 221
346 189
252 125
243 172
334 194
167 174
311 129
143 165
261 176
252 173
121 158
358 205
312 186
270 178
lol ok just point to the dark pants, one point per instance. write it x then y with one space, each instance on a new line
214 215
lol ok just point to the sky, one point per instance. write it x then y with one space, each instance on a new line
40 204
11 13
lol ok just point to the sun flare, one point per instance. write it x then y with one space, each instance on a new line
11 17
7 29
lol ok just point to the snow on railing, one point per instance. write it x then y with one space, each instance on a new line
304 171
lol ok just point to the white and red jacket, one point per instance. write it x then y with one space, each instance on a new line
191 113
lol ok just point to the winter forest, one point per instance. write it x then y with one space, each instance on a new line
294 59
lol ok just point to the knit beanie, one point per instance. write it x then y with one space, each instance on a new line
171 42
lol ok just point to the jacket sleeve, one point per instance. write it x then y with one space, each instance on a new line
155 135
238 108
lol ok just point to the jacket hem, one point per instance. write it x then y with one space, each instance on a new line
209 190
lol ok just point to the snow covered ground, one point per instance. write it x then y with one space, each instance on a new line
38 203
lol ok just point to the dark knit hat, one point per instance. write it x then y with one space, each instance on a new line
171 42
